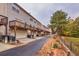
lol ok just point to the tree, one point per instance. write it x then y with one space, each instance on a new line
75 28
58 21
72 27
68 28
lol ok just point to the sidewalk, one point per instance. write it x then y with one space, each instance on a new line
24 41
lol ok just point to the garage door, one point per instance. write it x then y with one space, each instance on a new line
21 34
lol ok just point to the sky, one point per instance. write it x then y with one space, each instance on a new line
43 11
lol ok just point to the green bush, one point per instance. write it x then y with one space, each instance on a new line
55 46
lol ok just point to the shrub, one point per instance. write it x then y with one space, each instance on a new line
55 46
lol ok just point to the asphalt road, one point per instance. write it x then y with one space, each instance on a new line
27 50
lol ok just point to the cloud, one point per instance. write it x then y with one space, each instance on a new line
43 11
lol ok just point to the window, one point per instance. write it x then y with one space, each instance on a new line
15 9
34 21
31 19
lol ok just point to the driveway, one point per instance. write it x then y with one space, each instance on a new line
27 50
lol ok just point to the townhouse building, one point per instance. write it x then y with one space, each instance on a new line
16 21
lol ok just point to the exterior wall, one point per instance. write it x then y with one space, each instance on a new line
3 9
13 12
21 16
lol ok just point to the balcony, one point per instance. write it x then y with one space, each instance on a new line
30 27
3 20
17 24
20 25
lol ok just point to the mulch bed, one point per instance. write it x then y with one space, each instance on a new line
48 50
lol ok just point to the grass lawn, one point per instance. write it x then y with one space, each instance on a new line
75 41
72 39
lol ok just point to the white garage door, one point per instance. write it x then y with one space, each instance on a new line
21 34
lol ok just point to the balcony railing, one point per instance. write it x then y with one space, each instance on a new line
22 25
3 20
17 24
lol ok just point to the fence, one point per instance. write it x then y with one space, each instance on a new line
71 46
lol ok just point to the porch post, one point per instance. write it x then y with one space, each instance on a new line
6 29
15 29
